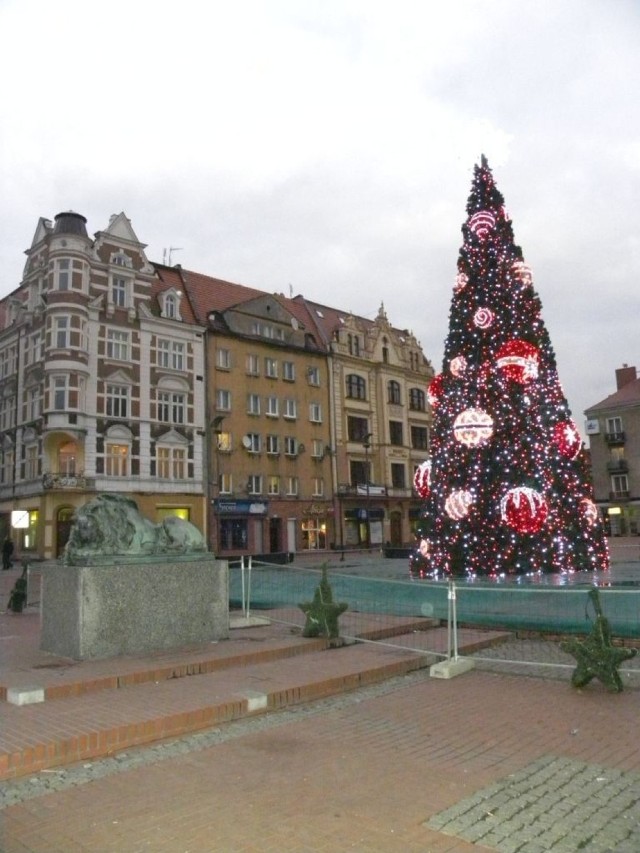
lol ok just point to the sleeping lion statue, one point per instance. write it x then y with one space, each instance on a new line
112 525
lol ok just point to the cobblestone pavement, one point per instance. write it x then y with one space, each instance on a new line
552 804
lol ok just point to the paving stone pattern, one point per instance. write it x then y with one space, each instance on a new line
553 804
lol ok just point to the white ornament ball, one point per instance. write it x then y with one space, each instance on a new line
473 427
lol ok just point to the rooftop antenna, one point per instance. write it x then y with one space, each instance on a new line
166 254
290 291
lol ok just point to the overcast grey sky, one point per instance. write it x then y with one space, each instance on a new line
327 148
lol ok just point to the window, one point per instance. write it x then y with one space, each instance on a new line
117 401
273 445
253 404
32 403
398 479
290 409
121 260
290 446
254 484
417 399
614 426
171 354
288 371
356 387
357 428
60 393
67 455
61 332
7 410
385 355
224 442
358 471
117 345
7 466
233 534
395 433
317 448
272 407
170 307
254 444
353 345
313 376
271 368
63 277
223 359
318 487
620 486
393 390
292 486
171 407
119 292
116 460
253 365
419 438
171 463
223 400
315 413
273 485
225 484
31 462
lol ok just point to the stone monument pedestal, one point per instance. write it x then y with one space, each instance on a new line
135 606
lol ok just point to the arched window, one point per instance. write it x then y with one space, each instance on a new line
416 399
394 392
356 387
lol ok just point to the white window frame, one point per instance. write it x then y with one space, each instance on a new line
271 368
254 484
288 371
273 484
313 376
256 442
253 404
290 409
253 365
171 407
223 358
315 413
272 407
117 400
317 448
171 462
318 487
293 486
223 400
117 345
117 458
273 445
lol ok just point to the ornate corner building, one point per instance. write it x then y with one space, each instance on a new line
273 424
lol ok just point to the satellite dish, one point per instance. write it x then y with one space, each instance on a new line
246 442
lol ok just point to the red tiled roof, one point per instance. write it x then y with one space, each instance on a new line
628 395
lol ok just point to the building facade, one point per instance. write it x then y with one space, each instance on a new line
613 428
274 424
101 385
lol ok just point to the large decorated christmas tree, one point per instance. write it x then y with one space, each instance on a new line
506 489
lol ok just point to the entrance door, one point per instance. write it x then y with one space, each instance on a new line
275 530
395 528
64 520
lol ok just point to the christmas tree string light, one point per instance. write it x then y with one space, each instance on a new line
507 490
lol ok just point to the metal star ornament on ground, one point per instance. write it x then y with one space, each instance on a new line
597 657
322 613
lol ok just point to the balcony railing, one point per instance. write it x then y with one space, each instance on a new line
53 480
615 438
618 466
619 496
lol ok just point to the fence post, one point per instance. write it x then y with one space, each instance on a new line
453 665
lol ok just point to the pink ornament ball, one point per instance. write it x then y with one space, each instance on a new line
524 509
589 511
458 503
482 223
483 318
458 365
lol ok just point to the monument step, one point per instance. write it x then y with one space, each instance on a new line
96 724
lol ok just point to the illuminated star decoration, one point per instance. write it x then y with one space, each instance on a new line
322 613
596 656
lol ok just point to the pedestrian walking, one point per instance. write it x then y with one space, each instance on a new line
7 554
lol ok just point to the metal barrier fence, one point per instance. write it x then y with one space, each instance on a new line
521 624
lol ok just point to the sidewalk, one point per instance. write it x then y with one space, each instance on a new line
277 750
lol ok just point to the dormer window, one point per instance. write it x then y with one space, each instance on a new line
121 260
170 304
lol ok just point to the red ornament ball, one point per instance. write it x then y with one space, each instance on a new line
518 361
567 438
524 509
434 391
473 427
422 479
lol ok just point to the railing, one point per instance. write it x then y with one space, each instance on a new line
53 480
618 466
619 496
615 438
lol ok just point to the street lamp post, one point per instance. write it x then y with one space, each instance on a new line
367 445
215 430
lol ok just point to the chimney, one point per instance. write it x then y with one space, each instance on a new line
624 375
